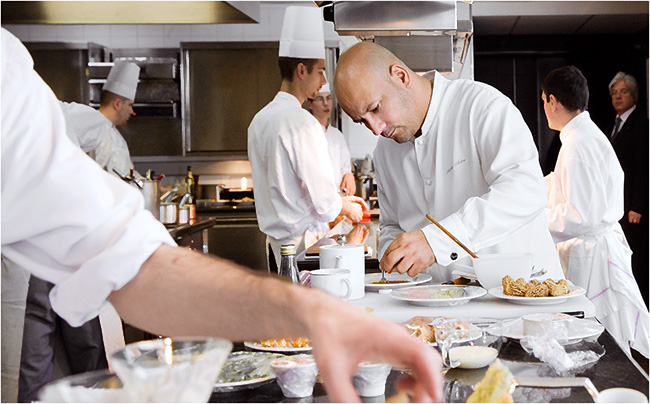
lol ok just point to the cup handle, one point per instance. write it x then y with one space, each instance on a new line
348 289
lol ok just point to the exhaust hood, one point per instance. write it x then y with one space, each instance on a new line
426 35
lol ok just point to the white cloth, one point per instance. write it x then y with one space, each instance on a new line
85 126
95 233
475 170
585 203
294 186
339 153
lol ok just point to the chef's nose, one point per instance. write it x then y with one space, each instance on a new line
375 125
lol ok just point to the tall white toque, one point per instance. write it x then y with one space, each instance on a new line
302 33
123 79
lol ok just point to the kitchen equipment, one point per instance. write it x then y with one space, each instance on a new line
452 237
150 192
472 348
336 282
350 257
168 212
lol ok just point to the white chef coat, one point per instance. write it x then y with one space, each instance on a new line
475 170
93 233
339 153
85 126
295 190
585 204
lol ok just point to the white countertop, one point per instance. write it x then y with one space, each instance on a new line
487 306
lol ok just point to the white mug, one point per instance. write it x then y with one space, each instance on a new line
334 281
350 257
621 395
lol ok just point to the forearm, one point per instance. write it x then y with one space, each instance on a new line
178 292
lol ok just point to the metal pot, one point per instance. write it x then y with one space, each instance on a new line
168 212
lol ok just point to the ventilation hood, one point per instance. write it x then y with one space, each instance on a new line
426 35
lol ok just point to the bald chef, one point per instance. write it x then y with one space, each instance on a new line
96 130
295 191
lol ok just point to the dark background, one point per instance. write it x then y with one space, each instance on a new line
517 66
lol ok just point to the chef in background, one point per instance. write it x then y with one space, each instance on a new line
457 150
296 195
321 107
88 346
95 131
585 203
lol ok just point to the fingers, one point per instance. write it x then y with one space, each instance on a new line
337 381
408 253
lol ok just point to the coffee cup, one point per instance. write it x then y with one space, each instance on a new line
350 257
334 281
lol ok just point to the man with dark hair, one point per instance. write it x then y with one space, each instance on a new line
629 137
585 203
295 190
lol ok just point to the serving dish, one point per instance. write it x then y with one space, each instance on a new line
411 281
438 295
245 370
288 350
577 329
574 291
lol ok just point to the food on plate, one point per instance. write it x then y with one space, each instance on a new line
534 288
388 282
247 366
422 327
495 386
451 293
286 343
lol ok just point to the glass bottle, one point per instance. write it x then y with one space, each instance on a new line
288 267
189 183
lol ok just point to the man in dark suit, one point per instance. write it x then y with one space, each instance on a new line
629 136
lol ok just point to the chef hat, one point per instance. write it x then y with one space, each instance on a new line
302 33
123 79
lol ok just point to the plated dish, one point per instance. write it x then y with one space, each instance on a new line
578 329
408 281
277 349
438 295
574 291
245 370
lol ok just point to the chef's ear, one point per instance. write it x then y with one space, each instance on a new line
400 74
301 70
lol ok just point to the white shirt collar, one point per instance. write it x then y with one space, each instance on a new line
428 119
569 127
626 114
283 95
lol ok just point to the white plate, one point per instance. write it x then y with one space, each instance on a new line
574 291
259 347
579 329
418 279
434 295
245 370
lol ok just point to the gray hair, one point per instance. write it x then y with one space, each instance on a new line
629 80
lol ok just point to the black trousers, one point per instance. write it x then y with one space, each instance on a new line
44 331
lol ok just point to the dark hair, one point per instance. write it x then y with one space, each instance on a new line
107 97
288 66
569 86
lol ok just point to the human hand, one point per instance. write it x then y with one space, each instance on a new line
342 336
353 207
349 184
633 217
358 235
409 253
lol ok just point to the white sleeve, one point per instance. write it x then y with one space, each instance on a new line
63 218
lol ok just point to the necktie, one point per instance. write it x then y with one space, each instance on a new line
616 127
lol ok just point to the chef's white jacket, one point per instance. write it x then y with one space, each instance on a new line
63 218
585 204
475 170
294 186
339 153
91 130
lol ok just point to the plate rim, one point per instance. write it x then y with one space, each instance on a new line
396 286
557 299
570 339
453 299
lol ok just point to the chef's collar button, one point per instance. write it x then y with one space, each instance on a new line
453 256
428 182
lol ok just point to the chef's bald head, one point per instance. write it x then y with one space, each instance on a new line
361 60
